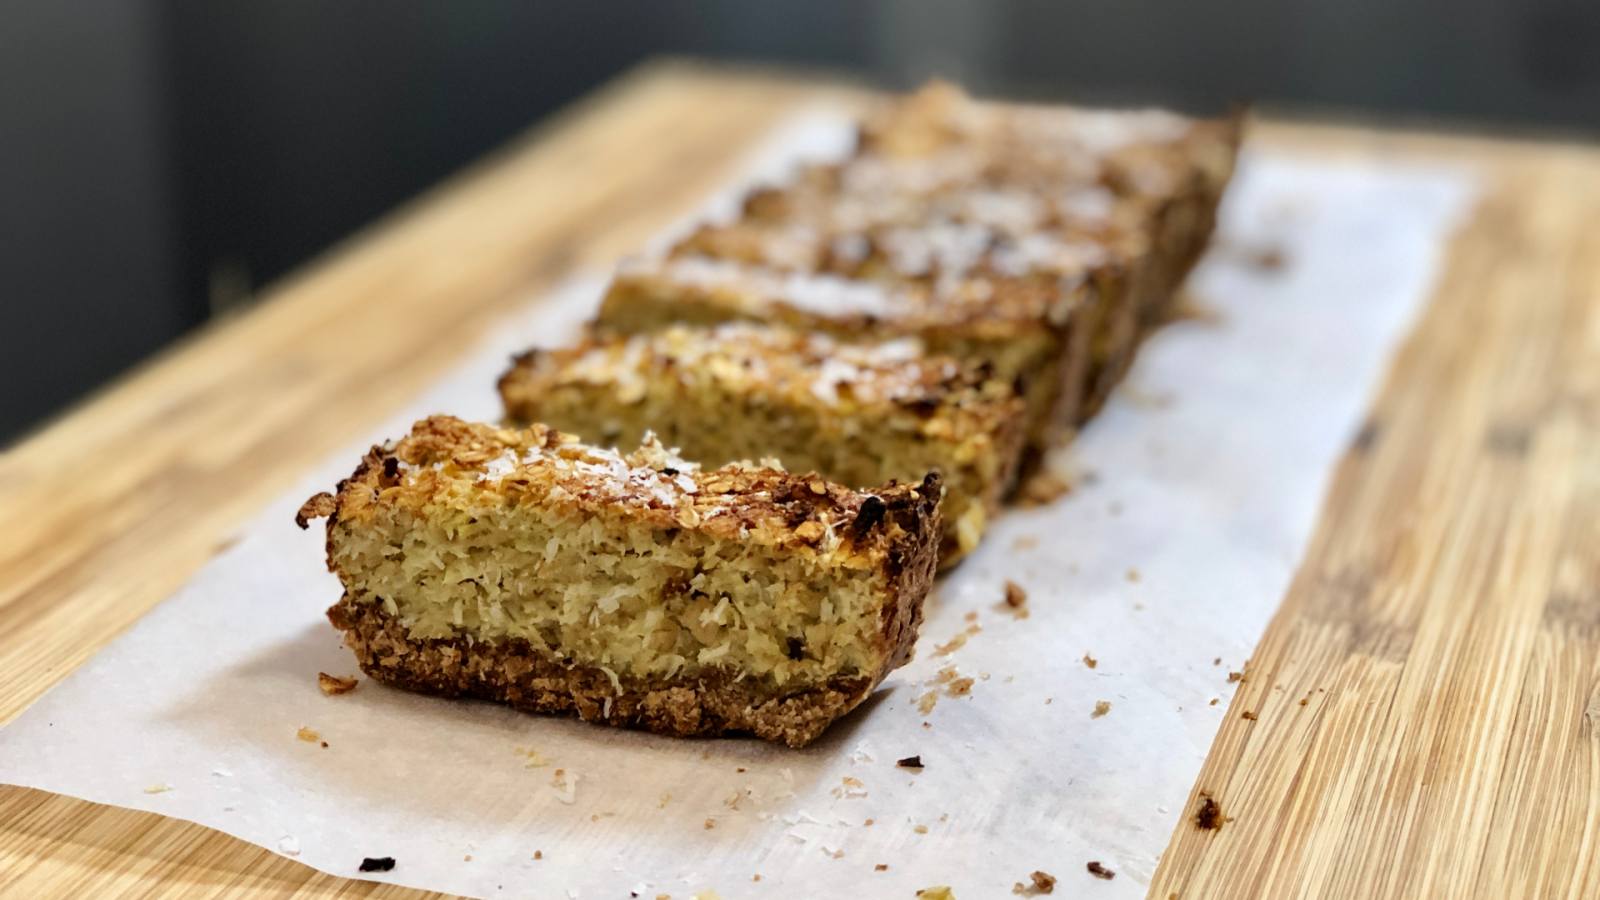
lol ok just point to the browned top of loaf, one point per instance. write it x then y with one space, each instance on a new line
939 137
953 213
950 399
948 187
448 464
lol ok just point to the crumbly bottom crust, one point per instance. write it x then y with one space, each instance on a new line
513 672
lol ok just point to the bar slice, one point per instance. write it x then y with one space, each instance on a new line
637 591
1151 170
859 414
1031 319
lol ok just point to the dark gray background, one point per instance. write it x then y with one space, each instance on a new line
160 160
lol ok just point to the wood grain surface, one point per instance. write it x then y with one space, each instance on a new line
1444 631
1425 702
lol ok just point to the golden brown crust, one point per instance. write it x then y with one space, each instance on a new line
802 368
443 454
895 528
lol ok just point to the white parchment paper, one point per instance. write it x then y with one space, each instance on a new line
1197 490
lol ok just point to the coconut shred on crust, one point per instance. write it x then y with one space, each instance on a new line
525 567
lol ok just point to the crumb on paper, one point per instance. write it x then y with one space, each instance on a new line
1015 595
467 858
1133 574
1217 661
1214 701
1267 259
910 762
926 702
1042 883
160 787
565 785
971 616
377 864
755 877
1024 542
707 894
1235 677
711 823
1100 871
921 829
334 685
867 824
849 789
940 892
665 799
538 854
1209 816
535 759
1041 489
958 641
1090 661
927 724
881 867
1247 714
307 735
960 687
1101 707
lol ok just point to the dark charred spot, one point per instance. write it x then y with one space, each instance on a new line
796 649
923 406
669 471
391 467
871 513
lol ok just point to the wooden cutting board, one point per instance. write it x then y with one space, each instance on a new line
1419 720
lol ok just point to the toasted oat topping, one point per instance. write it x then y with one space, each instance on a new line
744 357
469 465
